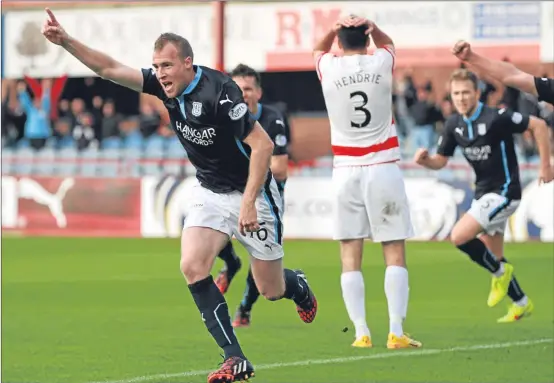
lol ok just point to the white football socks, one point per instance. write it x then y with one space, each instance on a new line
397 291
353 293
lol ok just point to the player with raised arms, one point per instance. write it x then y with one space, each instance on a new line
368 184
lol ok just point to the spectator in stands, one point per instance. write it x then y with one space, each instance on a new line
83 132
37 126
149 119
130 132
13 116
110 120
77 109
63 137
96 111
63 109
425 115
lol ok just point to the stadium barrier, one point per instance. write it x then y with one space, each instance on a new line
155 206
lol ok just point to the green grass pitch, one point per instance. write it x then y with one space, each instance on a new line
118 310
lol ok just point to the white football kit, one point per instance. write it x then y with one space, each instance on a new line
369 191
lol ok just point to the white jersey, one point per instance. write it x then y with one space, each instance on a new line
358 97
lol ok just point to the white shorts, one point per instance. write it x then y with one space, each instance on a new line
371 202
220 211
492 211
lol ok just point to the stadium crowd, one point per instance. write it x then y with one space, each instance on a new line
89 114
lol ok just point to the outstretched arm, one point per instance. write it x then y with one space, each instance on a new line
100 63
504 72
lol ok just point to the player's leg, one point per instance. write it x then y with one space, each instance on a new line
464 236
265 246
251 295
351 227
521 306
204 235
390 220
231 268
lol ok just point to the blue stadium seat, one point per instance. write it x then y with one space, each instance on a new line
67 162
109 166
133 141
7 161
89 163
111 143
25 158
45 161
155 142
132 157
152 164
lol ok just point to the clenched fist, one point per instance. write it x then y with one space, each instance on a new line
462 50
421 156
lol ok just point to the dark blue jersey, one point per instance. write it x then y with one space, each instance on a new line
211 121
487 142
545 89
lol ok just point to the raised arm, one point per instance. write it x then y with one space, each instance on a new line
100 63
504 72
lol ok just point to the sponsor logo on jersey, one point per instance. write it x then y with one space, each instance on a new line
478 153
517 118
202 137
280 140
238 111
196 108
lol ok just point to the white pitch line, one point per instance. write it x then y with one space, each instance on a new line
347 359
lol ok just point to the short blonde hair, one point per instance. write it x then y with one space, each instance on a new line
464 75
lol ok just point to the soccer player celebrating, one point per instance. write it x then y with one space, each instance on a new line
506 73
368 183
275 125
485 136
236 193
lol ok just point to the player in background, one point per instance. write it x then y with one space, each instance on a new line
368 185
236 194
275 125
485 136
506 73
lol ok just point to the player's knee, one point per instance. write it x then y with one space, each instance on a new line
272 294
193 270
457 238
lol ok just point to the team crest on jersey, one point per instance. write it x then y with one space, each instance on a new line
196 108
481 129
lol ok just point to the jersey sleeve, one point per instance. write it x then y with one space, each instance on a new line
151 85
278 134
511 122
545 89
323 63
233 112
447 142
387 54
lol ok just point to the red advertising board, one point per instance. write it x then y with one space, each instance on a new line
71 206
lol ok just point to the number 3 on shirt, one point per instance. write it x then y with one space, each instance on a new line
355 98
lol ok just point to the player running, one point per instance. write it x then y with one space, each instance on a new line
235 193
368 184
506 73
275 125
485 136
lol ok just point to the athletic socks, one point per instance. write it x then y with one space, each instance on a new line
353 294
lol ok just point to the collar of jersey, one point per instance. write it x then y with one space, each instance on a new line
475 114
194 81
258 112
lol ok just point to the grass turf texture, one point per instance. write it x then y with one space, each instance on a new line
84 310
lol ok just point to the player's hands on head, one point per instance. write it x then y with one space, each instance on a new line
462 50
52 29
421 156
248 218
353 21
546 174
